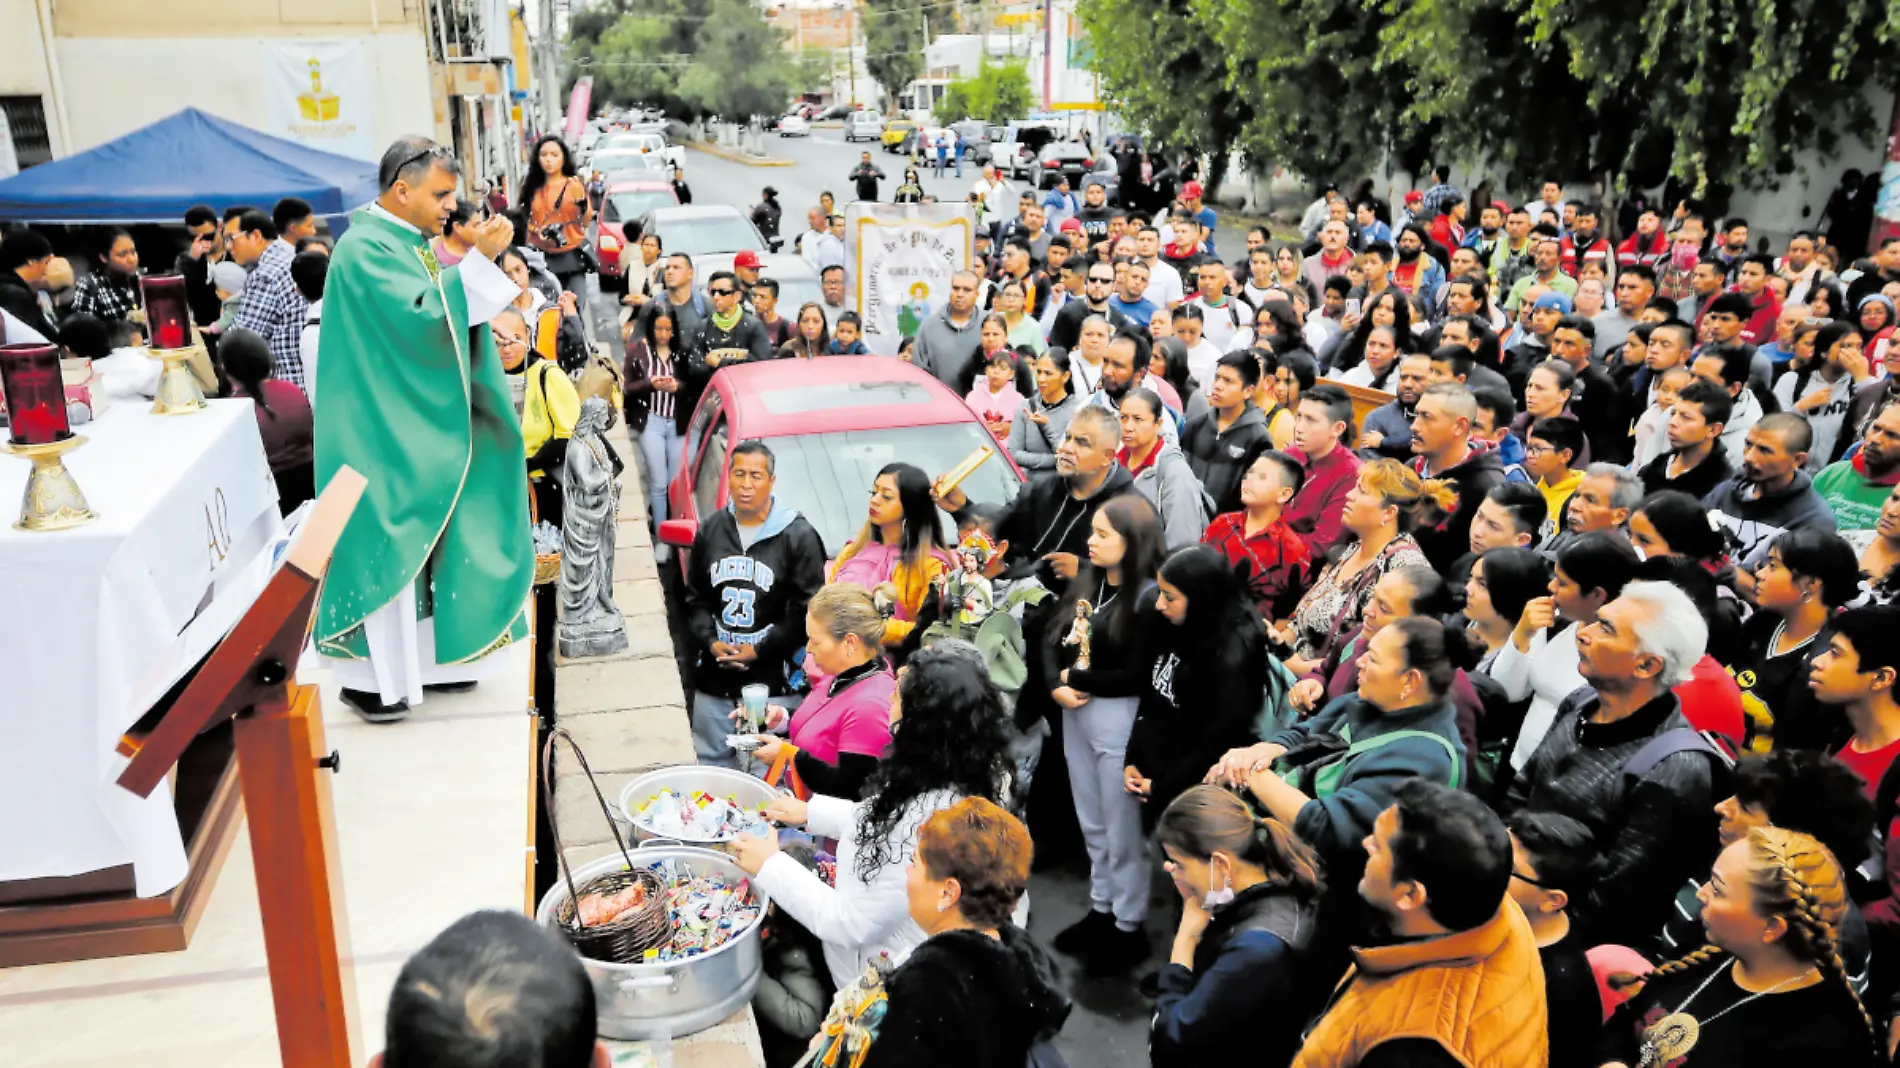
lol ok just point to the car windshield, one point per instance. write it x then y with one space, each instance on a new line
623 206
622 162
705 235
828 477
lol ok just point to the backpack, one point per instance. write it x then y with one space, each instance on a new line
1276 708
1321 777
1681 740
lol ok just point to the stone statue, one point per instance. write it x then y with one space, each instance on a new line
590 623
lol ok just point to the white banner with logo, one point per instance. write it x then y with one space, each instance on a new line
901 257
318 94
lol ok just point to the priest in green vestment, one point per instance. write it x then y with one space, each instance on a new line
433 571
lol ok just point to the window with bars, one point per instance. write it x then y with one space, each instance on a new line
26 121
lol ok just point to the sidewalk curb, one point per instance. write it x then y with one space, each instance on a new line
739 157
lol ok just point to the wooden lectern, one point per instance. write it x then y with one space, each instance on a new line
283 766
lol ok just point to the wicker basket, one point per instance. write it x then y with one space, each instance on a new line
624 939
547 566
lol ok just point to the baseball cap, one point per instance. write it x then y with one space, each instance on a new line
746 258
1191 191
1553 300
770 192
1414 197
1503 208
1069 226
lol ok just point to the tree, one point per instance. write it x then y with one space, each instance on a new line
999 92
1707 91
636 61
893 44
740 68
1161 66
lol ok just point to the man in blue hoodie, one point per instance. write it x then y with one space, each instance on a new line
755 565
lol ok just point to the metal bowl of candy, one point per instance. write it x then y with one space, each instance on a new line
696 804
709 965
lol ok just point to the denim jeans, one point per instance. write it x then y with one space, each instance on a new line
660 443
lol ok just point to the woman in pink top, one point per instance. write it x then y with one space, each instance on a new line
841 731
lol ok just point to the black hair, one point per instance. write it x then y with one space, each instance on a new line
1456 848
1810 792
1190 312
1870 630
1515 577
237 211
1683 524
462 212
1285 323
308 271
1599 560
1457 356
1500 404
1480 289
1525 503
850 317
532 182
251 222
1431 596
1381 249
290 211
663 310
1147 397
1174 359
923 520
1352 351
1683 331
112 236
1565 375
1434 650
1824 556
767 283
199 214
246 358
1561 433
1340 283
1637 270
1580 324
754 447
1243 364
1304 369
834 267
1793 428
1144 544
86 335
408 159
1562 850
1059 356
952 738
493 990
1338 408
22 247
1731 303
1291 473
1715 403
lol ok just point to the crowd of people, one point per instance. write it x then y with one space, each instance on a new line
1543 713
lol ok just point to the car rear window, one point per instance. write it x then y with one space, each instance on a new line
828 477
832 395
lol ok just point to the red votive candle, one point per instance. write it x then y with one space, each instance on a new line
167 315
35 392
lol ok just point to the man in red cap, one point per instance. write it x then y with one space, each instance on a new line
746 265
1191 196
1414 201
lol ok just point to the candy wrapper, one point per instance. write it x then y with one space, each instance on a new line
700 818
706 912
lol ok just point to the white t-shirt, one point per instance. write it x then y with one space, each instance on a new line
1201 360
1825 421
1164 284
1229 327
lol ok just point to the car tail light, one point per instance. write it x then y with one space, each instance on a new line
1051 164
1088 163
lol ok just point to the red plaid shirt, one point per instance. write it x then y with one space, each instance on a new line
1273 562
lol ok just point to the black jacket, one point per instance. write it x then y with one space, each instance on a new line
866 176
753 596
766 215
200 294
966 1000
1220 459
23 304
1046 518
1698 482
1603 411
1443 544
1653 835
748 334
1204 691
1066 331
1254 986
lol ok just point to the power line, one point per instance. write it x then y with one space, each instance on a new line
864 14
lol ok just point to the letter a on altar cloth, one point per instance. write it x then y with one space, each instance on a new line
433 571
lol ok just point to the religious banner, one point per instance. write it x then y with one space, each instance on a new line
900 258
317 94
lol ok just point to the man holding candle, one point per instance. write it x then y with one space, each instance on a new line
433 571
272 306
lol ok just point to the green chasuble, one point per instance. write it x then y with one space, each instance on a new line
416 401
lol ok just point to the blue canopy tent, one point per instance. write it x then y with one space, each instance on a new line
154 173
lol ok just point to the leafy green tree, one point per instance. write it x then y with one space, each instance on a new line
741 67
1709 91
999 92
893 44
635 62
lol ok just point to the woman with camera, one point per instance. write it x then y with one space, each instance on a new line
558 212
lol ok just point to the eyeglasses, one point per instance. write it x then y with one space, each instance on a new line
1528 879
434 151
722 292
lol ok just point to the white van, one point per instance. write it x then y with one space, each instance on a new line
868 125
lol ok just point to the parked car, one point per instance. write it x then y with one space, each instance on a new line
894 133
835 111
831 424
708 234
863 125
976 140
1108 176
623 203
1016 155
794 126
923 142
650 141
629 164
1070 159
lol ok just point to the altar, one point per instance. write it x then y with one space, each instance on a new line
102 620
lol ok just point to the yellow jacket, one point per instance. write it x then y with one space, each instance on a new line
913 585
551 407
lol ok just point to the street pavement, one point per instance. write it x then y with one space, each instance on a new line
1109 1026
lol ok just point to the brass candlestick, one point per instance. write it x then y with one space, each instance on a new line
53 500
178 392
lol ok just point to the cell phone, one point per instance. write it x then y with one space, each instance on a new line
1352 305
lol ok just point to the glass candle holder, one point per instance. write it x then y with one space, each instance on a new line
35 392
167 313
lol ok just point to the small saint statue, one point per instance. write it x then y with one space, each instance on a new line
1079 633
590 623
968 590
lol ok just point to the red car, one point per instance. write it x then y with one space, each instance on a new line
624 202
832 424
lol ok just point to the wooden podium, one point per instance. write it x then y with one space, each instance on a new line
283 767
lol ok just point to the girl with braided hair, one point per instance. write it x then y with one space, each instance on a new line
1244 972
1770 988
